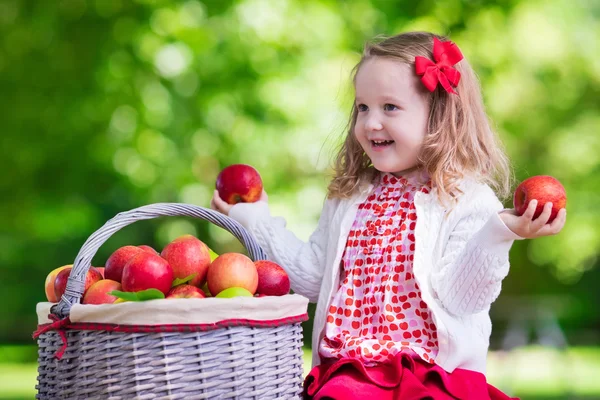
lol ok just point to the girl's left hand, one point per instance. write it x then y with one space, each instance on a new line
220 205
529 228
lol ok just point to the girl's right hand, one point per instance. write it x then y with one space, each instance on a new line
527 227
223 207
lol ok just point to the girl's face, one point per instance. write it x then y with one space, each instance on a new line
392 114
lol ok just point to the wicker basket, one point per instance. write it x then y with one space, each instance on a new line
242 356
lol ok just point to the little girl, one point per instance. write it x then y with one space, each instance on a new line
412 244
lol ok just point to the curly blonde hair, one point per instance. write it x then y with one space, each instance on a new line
459 139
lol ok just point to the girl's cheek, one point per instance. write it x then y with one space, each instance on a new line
356 130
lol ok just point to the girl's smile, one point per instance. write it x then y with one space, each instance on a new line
381 145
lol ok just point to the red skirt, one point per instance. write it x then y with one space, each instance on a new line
406 377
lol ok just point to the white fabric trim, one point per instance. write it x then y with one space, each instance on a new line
184 311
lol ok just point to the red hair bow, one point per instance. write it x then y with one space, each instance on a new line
445 54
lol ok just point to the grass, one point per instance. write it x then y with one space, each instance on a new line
539 371
17 381
532 373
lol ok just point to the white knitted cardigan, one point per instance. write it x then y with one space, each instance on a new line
461 258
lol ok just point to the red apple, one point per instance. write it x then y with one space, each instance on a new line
232 270
185 292
188 255
147 248
101 270
113 269
147 271
60 283
49 283
98 292
239 183
544 189
272 279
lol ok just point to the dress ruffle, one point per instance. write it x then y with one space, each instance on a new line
406 377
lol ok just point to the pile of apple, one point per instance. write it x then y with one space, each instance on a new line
186 268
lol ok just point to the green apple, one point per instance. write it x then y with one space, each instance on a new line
234 292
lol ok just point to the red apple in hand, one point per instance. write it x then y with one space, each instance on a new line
188 255
60 283
544 189
113 269
272 279
185 292
147 271
232 270
239 183
98 292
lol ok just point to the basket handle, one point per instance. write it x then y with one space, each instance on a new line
83 261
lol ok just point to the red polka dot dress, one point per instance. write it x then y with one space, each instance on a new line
377 311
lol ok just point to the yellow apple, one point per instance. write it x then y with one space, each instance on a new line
232 270
49 284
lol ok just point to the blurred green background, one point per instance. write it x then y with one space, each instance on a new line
108 105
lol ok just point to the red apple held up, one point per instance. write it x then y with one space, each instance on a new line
98 292
60 283
147 271
49 283
239 183
272 279
544 189
113 269
232 270
188 255
185 292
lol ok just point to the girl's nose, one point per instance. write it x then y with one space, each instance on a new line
373 123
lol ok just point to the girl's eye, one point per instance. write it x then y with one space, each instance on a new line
389 107
362 107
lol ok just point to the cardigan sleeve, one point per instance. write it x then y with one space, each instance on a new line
468 277
304 262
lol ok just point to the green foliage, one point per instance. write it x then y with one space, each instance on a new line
110 105
181 281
